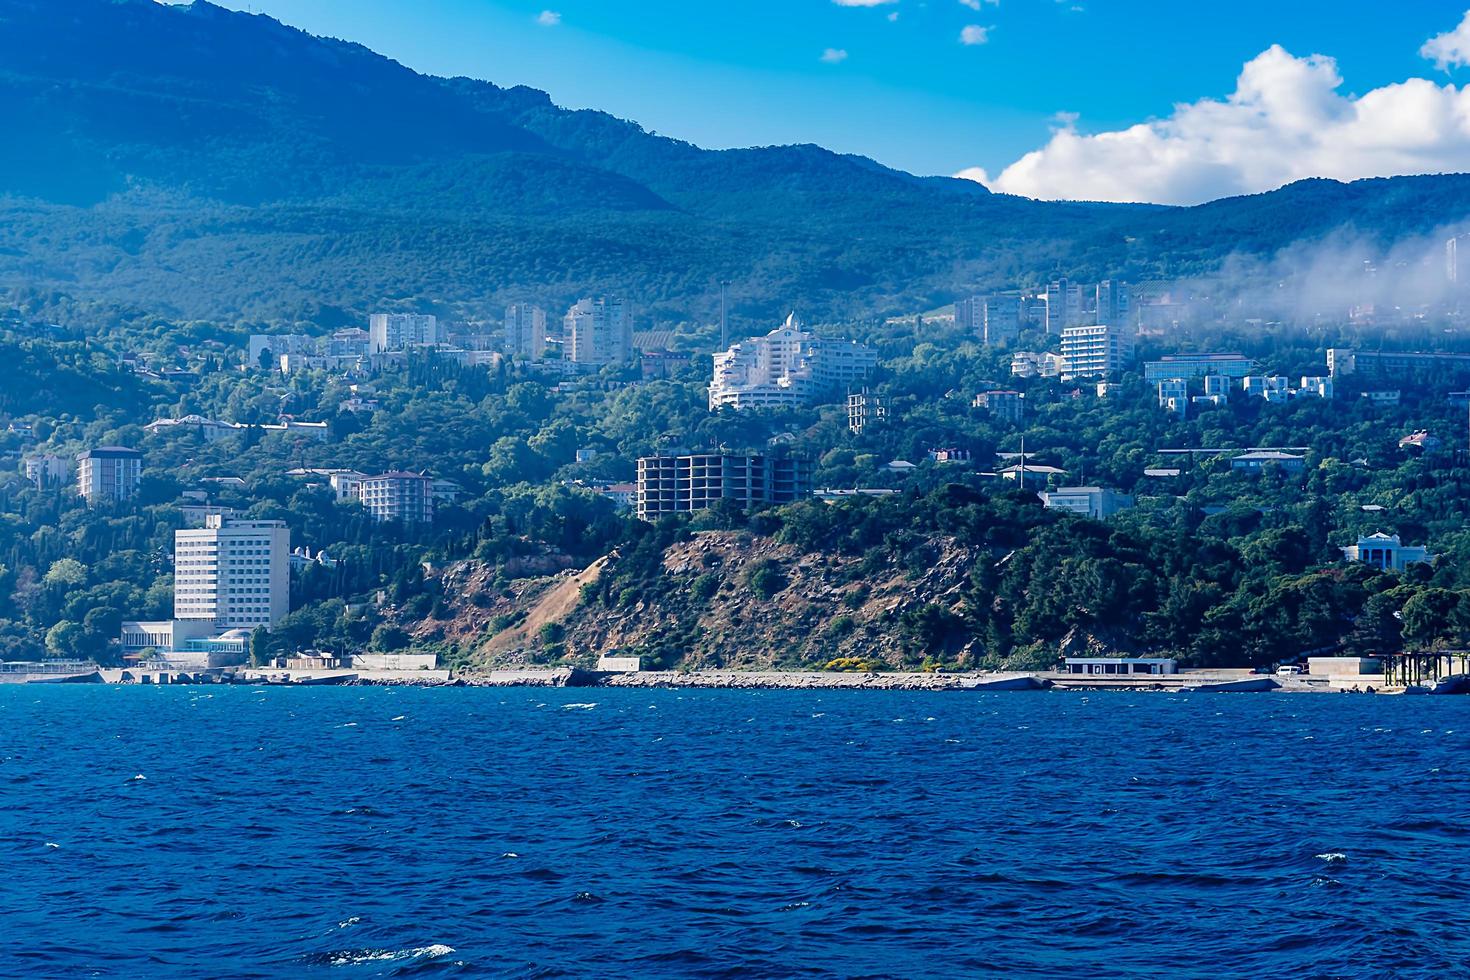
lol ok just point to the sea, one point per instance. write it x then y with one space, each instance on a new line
472 832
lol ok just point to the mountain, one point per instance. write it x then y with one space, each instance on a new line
203 163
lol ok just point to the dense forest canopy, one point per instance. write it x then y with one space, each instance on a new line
219 164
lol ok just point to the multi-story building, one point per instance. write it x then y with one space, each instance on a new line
1174 396
1197 365
525 331
1395 365
1098 503
1273 388
46 471
863 409
679 484
1315 387
1095 351
598 332
272 346
995 319
786 367
398 496
1007 405
1114 306
1030 364
1063 306
400 331
1217 386
109 473
236 574
1384 551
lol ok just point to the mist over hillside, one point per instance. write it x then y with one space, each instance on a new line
202 163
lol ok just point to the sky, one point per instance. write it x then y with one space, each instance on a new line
1128 100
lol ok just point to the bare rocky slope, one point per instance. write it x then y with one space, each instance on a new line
723 599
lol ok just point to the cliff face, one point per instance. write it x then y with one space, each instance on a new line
732 599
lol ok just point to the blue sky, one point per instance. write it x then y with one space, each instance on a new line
902 89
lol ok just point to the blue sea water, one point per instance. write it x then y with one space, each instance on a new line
354 832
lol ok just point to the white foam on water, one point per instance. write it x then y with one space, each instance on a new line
357 957
1333 857
138 778
352 921
399 718
510 854
350 724
579 706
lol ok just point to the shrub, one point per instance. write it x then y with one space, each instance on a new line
765 578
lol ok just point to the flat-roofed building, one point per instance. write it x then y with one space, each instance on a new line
1395 365
680 484
1099 503
398 496
1174 396
1095 351
109 473
400 331
525 331
233 573
598 332
1197 366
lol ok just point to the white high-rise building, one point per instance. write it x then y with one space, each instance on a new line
525 331
109 473
235 574
598 331
1063 306
1095 351
1114 307
400 331
788 366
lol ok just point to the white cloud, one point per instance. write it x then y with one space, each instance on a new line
548 18
893 17
975 34
978 4
1286 120
863 3
834 56
977 174
1451 48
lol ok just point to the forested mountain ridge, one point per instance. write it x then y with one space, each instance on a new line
205 163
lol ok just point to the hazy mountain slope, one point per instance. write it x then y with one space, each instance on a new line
208 163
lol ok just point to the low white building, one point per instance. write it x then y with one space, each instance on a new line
1384 551
1098 503
1174 396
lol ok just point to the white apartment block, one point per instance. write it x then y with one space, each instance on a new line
1174 396
1030 364
1063 306
525 331
398 496
786 367
400 331
235 574
109 473
1095 351
598 332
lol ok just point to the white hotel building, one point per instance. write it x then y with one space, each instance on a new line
786 367
1096 351
234 574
